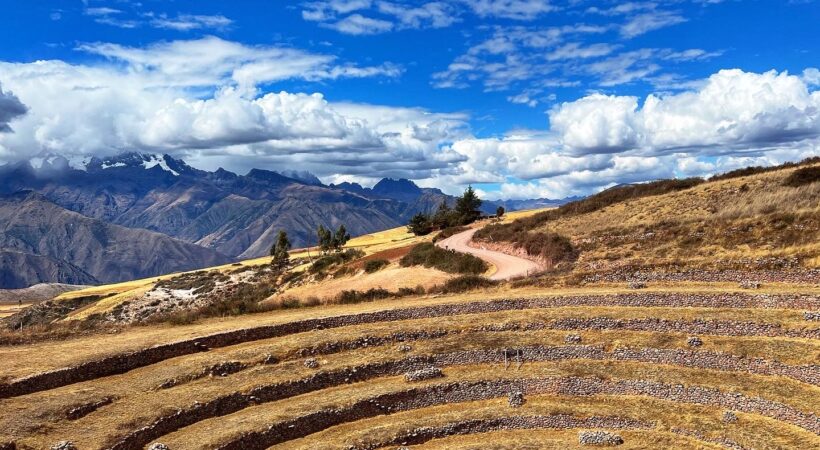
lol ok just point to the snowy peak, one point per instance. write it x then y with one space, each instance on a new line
143 161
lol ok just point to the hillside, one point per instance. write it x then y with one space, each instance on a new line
745 223
40 240
234 215
665 346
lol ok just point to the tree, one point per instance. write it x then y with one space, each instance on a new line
340 238
443 217
279 251
467 206
420 224
325 239
499 212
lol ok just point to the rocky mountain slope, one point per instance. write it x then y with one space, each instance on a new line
40 240
226 213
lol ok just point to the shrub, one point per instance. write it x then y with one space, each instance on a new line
375 265
353 296
449 231
802 177
407 291
428 255
324 262
463 283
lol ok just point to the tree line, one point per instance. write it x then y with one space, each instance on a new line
466 211
328 240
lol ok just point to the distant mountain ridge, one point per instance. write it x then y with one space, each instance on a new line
232 216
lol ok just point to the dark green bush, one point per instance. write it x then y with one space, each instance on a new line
449 231
463 283
324 262
428 255
353 296
375 265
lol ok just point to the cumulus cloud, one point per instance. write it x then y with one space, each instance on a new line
732 119
733 110
198 100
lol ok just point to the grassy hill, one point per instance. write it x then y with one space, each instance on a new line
746 221
584 354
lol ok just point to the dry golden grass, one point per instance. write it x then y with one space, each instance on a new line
736 219
208 433
37 420
562 440
9 309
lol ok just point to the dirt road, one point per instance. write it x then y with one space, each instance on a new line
507 266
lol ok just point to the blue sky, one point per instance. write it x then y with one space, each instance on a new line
522 98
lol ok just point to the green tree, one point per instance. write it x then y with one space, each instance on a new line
340 238
499 212
443 217
279 251
420 224
325 238
467 206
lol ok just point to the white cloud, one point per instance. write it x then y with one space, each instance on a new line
213 61
358 24
187 22
427 15
644 23
511 9
732 110
195 99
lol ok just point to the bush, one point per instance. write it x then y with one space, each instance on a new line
353 296
449 231
375 265
428 255
324 262
463 283
550 247
802 177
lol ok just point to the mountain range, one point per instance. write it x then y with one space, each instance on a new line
100 220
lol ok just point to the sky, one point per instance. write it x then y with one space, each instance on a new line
519 98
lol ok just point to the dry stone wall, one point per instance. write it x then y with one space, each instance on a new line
122 363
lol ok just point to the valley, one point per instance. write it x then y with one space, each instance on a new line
696 348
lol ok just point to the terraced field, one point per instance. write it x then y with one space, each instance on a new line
670 366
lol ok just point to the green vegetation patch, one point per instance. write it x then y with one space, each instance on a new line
428 255
333 259
375 265
463 283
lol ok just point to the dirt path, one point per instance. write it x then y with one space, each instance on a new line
507 266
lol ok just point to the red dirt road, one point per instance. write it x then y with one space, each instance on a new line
507 266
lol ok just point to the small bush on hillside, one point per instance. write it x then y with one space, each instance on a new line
375 265
353 296
449 231
428 255
463 283
550 247
802 177
323 263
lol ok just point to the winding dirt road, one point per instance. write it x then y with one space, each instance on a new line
507 266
